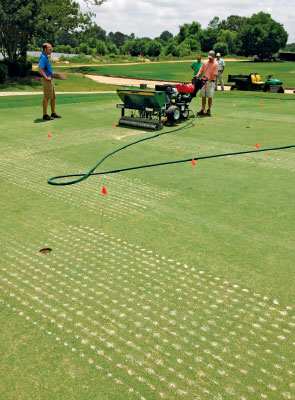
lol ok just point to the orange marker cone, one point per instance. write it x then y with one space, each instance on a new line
193 163
104 191
262 104
257 145
114 126
49 134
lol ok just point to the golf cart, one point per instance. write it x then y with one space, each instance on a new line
253 82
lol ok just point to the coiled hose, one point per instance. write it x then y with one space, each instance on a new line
82 177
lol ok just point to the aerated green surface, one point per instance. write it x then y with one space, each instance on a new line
178 284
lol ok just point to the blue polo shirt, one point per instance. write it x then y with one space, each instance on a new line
44 63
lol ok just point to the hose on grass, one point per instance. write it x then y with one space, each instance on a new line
52 180
81 177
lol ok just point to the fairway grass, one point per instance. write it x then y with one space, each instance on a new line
284 71
178 284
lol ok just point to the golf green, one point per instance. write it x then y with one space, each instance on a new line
176 284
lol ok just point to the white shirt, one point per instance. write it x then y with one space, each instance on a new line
221 64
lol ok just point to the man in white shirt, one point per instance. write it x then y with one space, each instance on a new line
221 65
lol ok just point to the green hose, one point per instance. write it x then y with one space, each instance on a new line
52 180
85 176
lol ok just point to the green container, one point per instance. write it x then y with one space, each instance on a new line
142 99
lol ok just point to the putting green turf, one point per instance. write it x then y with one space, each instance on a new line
179 284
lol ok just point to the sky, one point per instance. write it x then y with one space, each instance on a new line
151 17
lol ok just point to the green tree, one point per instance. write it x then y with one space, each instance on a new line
172 48
92 42
186 30
112 48
289 47
91 33
118 38
213 24
183 33
21 20
221 47
166 36
154 48
184 49
192 43
66 38
208 39
17 26
83 48
68 49
233 23
136 47
101 48
56 15
195 29
231 39
263 36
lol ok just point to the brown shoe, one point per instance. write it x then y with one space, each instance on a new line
54 115
209 112
46 117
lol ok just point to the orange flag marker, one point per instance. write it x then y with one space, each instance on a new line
257 145
49 134
262 104
193 162
104 191
114 126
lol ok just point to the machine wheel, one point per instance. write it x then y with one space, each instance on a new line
281 90
234 88
184 114
173 113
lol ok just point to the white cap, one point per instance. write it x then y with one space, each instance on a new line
211 54
218 55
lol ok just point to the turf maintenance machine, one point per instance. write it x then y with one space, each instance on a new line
151 108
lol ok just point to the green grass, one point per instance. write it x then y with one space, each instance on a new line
182 71
73 83
178 284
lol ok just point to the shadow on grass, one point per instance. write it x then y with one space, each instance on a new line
85 70
168 124
38 120
21 84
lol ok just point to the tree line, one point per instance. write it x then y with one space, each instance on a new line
258 35
26 24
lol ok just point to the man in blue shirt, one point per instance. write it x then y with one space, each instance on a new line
47 82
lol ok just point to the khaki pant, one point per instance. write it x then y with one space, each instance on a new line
48 89
208 90
220 80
